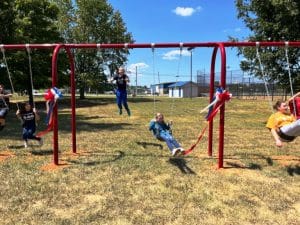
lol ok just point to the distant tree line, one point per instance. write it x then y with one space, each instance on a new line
62 21
270 20
95 21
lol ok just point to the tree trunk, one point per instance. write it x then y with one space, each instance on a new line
81 93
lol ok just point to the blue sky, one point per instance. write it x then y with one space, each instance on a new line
175 21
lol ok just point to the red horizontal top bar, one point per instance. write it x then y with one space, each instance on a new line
154 45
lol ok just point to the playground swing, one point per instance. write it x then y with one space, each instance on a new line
30 92
295 103
292 104
221 96
170 125
2 120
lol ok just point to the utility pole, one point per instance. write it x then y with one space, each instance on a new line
136 81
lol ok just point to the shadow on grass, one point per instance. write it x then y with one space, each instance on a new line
115 157
16 146
182 165
91 127
293 170
252 166
41 152
146 144
269 159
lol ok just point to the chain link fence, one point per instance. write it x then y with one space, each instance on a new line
241 85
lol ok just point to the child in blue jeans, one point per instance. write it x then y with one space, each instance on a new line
162 131
29 117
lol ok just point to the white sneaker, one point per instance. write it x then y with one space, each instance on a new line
175 151
25 144
41 142
181 149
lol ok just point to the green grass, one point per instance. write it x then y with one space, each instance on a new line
122 175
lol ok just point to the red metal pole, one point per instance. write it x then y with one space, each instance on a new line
54 113
222 109
211 95
73 99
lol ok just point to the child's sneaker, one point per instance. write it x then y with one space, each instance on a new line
182 151
25 144
175 151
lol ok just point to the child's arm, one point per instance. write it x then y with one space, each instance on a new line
7 95
47 106
151 125
18 114
276 138
37 116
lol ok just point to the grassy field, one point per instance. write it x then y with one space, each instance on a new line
122 175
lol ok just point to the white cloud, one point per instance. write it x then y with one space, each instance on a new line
141 66
238 29
175 54
186 11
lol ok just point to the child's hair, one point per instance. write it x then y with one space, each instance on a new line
277 104
24 105
158 114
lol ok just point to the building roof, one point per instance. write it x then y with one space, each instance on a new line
179 84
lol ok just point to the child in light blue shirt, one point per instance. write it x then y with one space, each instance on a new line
162 131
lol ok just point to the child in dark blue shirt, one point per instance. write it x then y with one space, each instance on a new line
29 117
161 131
121 93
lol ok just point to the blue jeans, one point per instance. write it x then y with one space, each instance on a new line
3 112
122 100
169 139
29 134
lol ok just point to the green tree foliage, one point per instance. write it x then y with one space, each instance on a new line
29 21
7 25
271 20
93 21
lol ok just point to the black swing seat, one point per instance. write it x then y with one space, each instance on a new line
284 137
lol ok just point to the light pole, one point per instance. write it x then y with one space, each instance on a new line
136 72
190 49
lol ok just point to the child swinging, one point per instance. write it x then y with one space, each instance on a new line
29 117
162 131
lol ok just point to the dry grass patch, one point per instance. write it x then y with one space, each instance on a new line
122 175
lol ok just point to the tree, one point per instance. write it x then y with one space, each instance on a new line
7 25
93 21
271 20
30 21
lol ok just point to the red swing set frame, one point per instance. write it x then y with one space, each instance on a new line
221 46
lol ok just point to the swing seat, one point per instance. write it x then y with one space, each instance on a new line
284 137
295 111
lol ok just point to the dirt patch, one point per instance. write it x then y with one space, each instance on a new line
5 155
53 167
